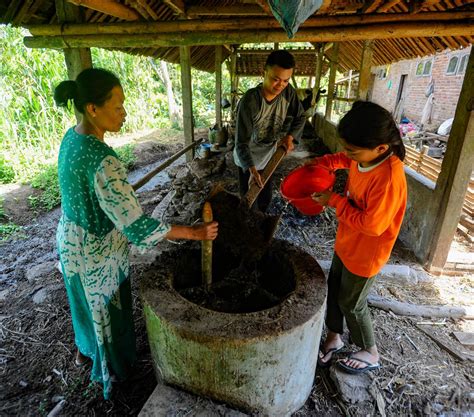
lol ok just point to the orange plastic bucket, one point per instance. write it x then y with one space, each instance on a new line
300 183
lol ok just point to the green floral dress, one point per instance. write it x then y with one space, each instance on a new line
100 214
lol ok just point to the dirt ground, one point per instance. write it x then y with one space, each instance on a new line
417 377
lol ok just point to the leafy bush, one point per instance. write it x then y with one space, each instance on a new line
7 174
9 229
126 155
47 181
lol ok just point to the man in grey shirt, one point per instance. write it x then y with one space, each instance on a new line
268 115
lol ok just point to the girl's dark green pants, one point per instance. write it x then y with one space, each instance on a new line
347 298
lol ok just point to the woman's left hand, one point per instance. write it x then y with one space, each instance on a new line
322 197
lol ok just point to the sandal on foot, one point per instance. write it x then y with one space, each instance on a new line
332 351
351 370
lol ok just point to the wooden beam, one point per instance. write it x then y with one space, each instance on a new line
334 34
109 7
455 174
371 6
364 73
177 6
387 6
324 7
144 9
230 10
241 24
77 59
265 7
187 97
265 52
428 3
332 79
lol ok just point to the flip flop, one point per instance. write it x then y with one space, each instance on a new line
351 370
327 364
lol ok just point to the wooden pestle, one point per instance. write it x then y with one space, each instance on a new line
206 250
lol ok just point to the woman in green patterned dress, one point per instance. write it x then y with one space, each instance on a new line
100 214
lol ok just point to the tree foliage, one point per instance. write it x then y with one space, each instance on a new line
31 126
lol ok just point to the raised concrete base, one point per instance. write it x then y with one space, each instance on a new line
169 401
260 362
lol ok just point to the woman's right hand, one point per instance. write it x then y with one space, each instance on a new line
200 231
205 231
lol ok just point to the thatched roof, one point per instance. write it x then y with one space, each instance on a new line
403 29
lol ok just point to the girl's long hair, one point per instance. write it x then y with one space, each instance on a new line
368 125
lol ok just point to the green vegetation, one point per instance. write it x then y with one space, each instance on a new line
47 181
9 229
126 155
31 126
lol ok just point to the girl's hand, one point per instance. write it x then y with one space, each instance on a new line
322 197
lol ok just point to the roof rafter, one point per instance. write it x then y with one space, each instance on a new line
109 7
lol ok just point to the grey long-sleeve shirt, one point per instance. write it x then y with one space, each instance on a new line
261 124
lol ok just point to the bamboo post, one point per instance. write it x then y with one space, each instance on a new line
456 171
218 63
364 73
332 79
187 94
206 250
77 59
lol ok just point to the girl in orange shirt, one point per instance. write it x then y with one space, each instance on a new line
370 215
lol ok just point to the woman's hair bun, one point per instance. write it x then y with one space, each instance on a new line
65 91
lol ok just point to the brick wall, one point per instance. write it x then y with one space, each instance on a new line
446 87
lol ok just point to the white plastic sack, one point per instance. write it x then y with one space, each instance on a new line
445 127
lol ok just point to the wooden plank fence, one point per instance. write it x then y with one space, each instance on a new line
430 168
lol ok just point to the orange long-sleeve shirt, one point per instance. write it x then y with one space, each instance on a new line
370 213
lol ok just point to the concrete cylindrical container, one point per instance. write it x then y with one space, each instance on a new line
263 361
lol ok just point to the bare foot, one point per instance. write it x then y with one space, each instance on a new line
80 360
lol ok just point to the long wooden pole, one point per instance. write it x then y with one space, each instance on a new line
142 181
206 249
238 24
254 189
328 34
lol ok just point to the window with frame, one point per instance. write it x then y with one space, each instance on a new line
383 73
419 69
427 68
424 67
462 64
452 65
